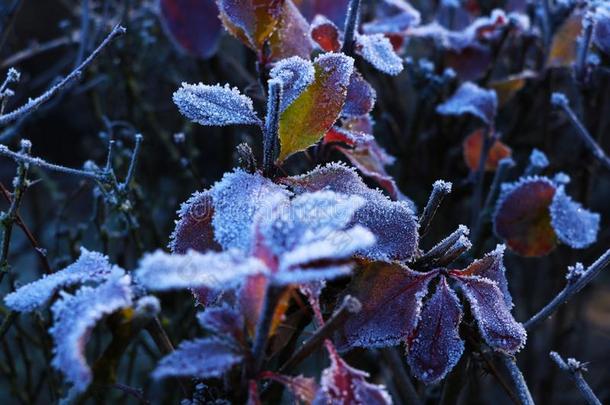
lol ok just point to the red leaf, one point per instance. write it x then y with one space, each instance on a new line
391 295
326 34
472 151
194 226
192 24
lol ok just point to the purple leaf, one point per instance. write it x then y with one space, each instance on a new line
91 267
574 225
74 316
379 52
224 321
471 99
342 384
194 226
335 10
291 37
215 105
237 198
491 267
193 25
295 74
392 222
360 98
160 271
200 358
436 346
391 295
496 323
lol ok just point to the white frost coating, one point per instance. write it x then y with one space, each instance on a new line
561 179
394 16
471 99
73 318
338 64
443 185
295 75
379 52
90 267
574 225
162 271
538 159
214 105
310 275
200 358
237 198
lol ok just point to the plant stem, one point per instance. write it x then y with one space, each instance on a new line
580 69
351 25
263 327
524 393
441 248
34 104
479 176
134 161
575 369
440 189
403 383
571 288
272 125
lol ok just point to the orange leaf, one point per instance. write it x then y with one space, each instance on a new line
564 46
472 151
507 88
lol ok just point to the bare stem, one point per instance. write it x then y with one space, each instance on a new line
134 161
263 326
34 104
351 25
559 100
349 306
575 369
272 124
583 50
515 373
440 189
573 286
440 249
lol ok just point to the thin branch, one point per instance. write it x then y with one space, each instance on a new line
34 104
440 189
36 49
523 391
559 100
575 368
134 161
349 306
578 278
351 25
580 68
440 249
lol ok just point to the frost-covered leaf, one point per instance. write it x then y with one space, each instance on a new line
574 225
91 267
360 98
251 21
392 17
379 52
522 216
199 358
335 10
471 99
564 46
215 105
291 37
495 322
237 198
224 321
74 316
491 267
342 384
192 24
472 151
392 222
160 271
194 225
601 30
326 34
391 295
315 111
302 388
295 74
436 346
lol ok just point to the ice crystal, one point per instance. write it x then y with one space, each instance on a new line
199 358
215 105
295 75
574 225
73 318
379 52
90 267
471 99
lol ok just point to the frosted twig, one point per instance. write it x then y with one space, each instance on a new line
134 161
575 283
351 25
522 390
575 369
33 104
559 100
440 190
271 129
441 248
580 68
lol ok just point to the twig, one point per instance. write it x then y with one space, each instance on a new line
32 105
575 368
349 306
559 100
441 248
36 49
351 25
522 390
580 68
440 189
134 161
578 278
